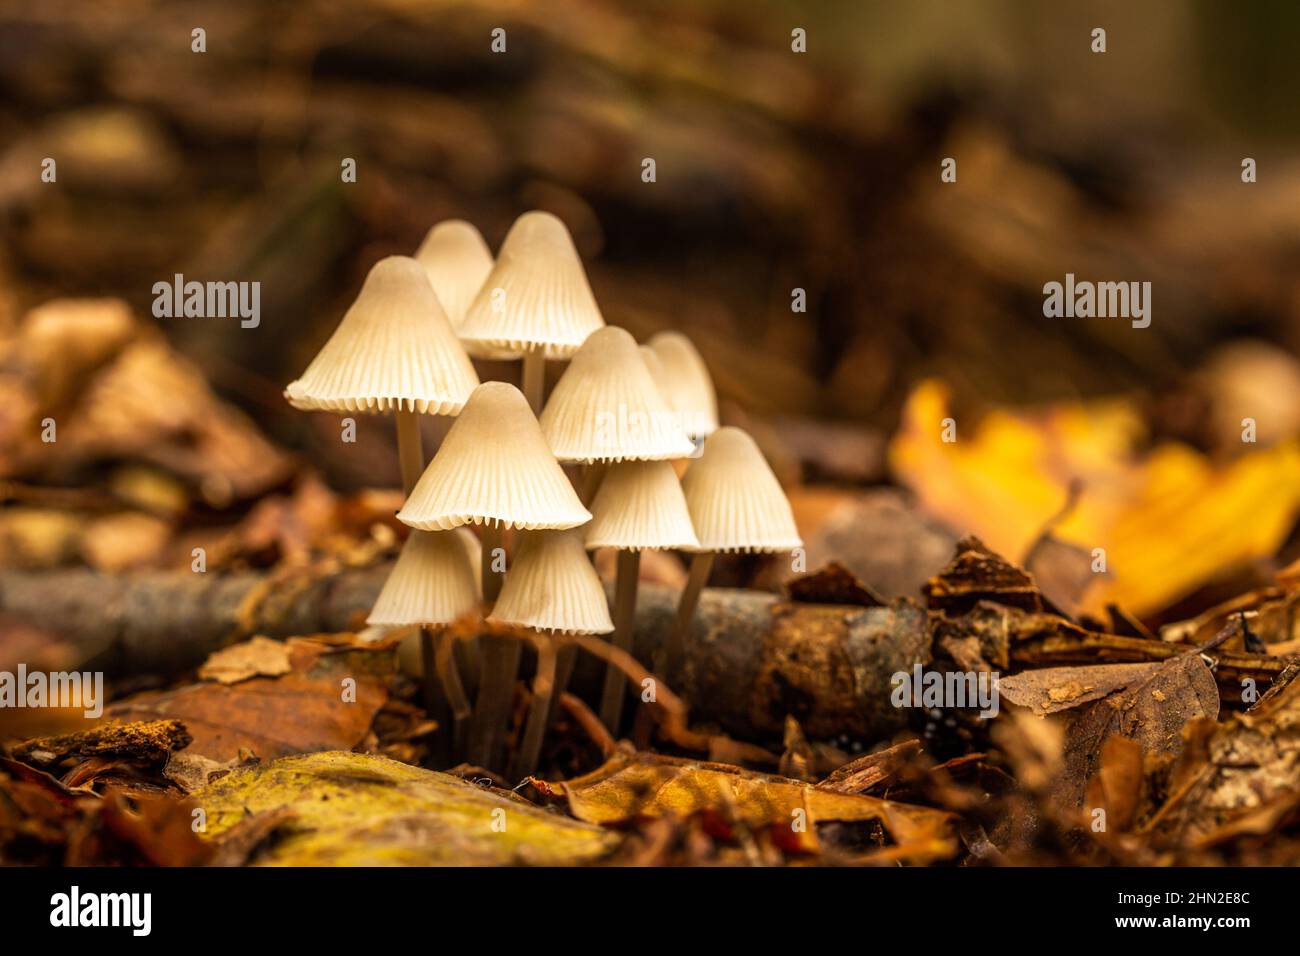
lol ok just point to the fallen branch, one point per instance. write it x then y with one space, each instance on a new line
752 658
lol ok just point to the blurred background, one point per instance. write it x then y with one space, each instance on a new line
775 170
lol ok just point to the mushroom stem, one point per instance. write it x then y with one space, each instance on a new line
410 456
540 712
490 540
611 700
500 657
430 681
701 565
592 474
496 690
534 375
449 674
565 659
410 450
435 700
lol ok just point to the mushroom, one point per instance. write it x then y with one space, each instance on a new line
394 350
536 302
552 587
607 408
736 504
655 366
686 383
640 506
494 470
433 582
458 262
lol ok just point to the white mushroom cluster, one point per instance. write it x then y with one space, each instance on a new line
624 418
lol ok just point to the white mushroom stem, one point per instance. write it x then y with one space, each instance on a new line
625 583
500 657
410 456
701 565
539 713
410 450
534 379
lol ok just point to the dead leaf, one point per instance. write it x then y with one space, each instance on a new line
1117 786
301 711
361 810
1168 519
647 785
1152 710
1054 689
1242 766
257 657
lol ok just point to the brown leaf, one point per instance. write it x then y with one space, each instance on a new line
1117 786
628 787
1153 711
1054 689
257 657
1246 763
298 712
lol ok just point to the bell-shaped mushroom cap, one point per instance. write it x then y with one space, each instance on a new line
536 297
605 407
394 349
457 261
639 507
686 383
735 501
551 586
434 581
655 367
494 467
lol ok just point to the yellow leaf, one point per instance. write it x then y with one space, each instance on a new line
1169 520
349 809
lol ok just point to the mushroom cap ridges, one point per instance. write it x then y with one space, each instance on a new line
494 467
537 297
606 407
735 501
394 349
552 586
434 581
686 382
457 261
640 506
